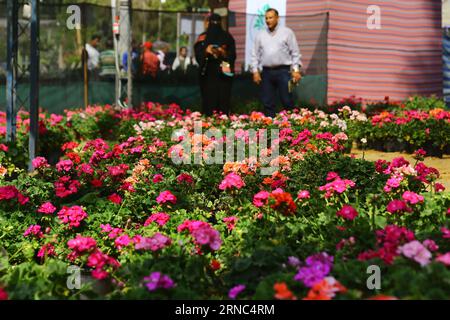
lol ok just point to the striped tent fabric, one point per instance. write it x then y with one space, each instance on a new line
401 59
446 61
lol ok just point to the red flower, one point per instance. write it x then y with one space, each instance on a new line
115 198
215 265
397 206
348 212
283 202
282 292
3 294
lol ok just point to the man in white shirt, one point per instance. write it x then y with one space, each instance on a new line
93 54
275 61
183 61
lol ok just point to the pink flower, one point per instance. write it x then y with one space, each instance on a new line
158 178
106 227
115 198
336 186
347 212
230 222
34 230
445 259
157 280
416 251
82 244
72 216
233 293
64 165
85 168
118 171
160 218
157 242
98 260
47 208
47 250
397 206
231 180
122 241
39 162
304 194
202 233
431 245
332 175
115 232
261 198
166 196
392 183
420 154
412 197
445 233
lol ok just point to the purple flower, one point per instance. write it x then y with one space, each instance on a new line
232 294
157 280
157 242
294 261
317 267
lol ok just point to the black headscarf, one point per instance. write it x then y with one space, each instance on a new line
215 34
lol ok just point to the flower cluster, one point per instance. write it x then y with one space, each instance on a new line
337 185
203 233
157 280
416 251
232 180
316 268
65 186
34 230
165 197
388 240
72 216
154 243
325 289
160 218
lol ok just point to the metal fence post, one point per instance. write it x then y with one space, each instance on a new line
34 82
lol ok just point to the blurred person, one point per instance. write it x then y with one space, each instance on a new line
134 59
162 48
108 61
182 62
275 63
149 61
93 54
215 51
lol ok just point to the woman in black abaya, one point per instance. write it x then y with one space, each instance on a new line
215 51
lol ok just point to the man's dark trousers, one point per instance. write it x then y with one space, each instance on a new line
276 80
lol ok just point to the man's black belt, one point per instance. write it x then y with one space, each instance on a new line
277 67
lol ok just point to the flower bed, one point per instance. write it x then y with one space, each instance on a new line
405 130
141 226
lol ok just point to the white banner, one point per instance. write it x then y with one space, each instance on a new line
256 21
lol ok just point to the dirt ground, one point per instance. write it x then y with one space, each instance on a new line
443 165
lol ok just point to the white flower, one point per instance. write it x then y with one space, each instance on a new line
363 140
